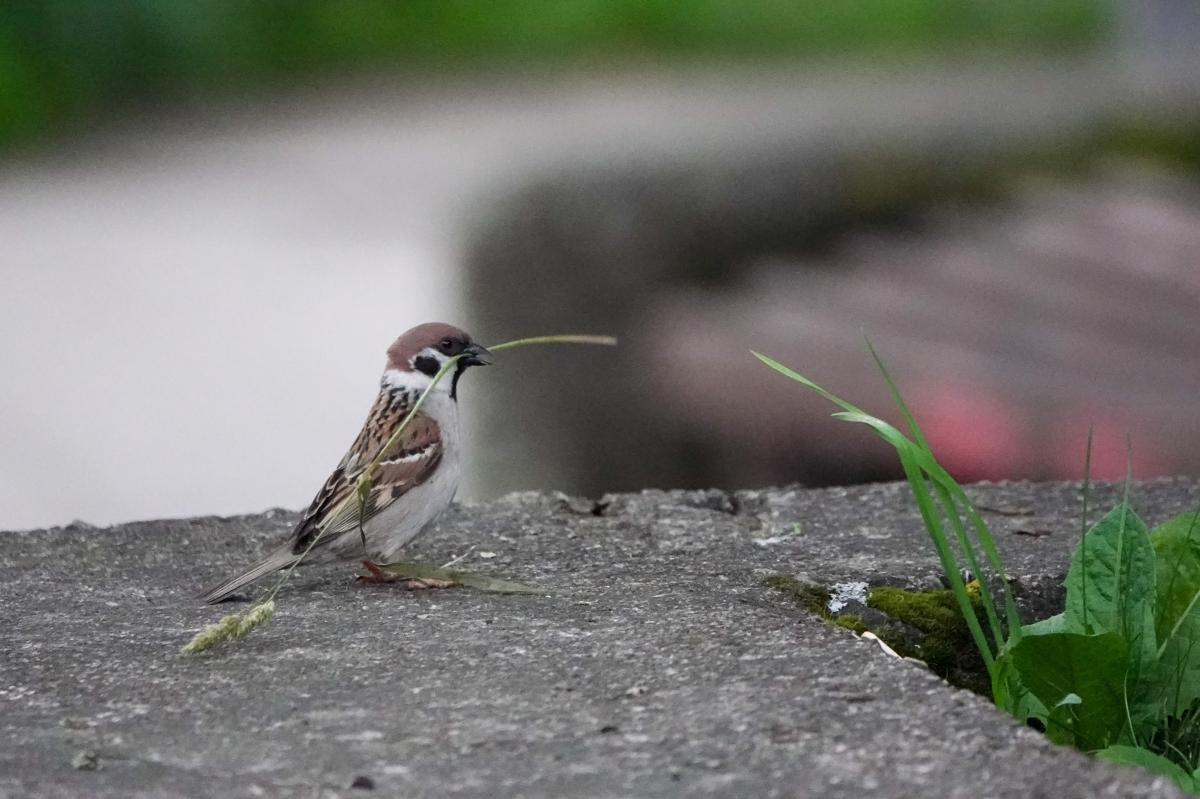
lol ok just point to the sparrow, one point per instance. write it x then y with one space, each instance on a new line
414 481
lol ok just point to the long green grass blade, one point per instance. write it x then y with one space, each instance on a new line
945 486
913 428
908 452
919 464
804 381
1087 485
951 512
928 463
603 341
946 556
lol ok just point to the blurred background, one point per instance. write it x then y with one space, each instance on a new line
214 218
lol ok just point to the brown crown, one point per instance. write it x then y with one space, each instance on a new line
430 334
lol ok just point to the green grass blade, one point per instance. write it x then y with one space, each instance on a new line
603 341
1087 484
908 452
951 512
940 476
804 381
951 493
984 535
941 543
917 462
913 428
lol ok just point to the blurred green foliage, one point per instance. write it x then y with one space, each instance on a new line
68 60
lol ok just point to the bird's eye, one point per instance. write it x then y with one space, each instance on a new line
446 345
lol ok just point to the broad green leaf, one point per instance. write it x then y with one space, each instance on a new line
404 570
1110 585
1093 667
1177 624
1155 764
1011 695
1054 624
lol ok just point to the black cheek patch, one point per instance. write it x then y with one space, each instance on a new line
426 365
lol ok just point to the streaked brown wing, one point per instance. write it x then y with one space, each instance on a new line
409 462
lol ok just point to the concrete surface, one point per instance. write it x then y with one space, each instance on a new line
658 666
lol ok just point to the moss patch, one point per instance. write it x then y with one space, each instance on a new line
925 625
851 622
812 597
946 646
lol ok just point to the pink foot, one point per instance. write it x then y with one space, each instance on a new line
374 575
377 575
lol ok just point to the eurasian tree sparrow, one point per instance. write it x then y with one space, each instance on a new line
414 482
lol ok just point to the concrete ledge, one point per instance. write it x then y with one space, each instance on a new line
659 666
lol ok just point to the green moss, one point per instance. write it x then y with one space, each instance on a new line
946 646
850 622
812 597
933 612
942 640
815 599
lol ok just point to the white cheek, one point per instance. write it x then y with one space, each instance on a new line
416 381
398 380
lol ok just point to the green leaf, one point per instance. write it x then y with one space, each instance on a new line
1011 695
1176 545
1155 764
1054 624
1093 667
404 570
1111 583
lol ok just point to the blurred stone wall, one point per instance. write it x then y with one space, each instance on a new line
680 402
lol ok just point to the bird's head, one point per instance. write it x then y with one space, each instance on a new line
424 350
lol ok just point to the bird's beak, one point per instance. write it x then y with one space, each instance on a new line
475 355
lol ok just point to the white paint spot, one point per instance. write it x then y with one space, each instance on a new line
843 594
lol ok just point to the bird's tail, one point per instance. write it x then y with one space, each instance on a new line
279 559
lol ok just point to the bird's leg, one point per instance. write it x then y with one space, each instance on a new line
378 575
374 575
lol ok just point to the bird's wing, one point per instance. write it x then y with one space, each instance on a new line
408 463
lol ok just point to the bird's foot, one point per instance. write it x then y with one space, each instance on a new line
377 575
374 573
